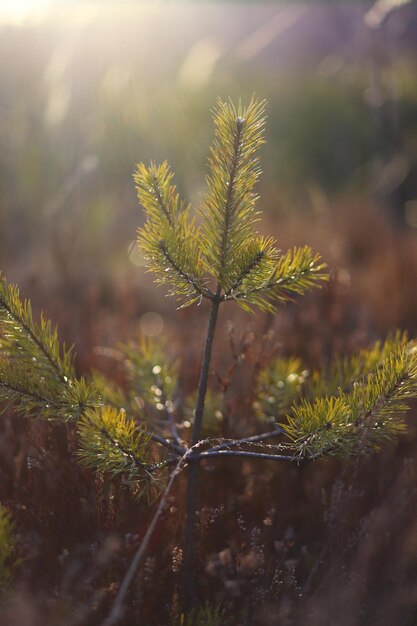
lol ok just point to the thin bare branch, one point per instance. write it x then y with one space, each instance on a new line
245 453
233 443
168 444
117 611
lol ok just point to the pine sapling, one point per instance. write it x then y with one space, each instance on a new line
354 408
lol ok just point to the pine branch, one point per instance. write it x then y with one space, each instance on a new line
152 377
36 374
31 397
372 414
164 203
23 339
229 207
112 443
344 372
283 381
112 395
188 278
169 239
157 193
278 386
280 279
245 272
246 267
22 390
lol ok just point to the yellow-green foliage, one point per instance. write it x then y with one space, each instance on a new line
359 421
38 376
168 238
207 615
224 258
228 210
278 386
344 372
353 407
152 375
151 381
269 277
35 372
113 443
7 549
357 405
110 392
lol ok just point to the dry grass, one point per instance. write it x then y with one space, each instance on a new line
329 542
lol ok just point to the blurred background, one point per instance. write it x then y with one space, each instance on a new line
88 89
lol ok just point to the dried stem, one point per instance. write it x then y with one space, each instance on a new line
246 453
173 447
233 443
117 610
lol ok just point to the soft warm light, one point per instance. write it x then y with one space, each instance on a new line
20 10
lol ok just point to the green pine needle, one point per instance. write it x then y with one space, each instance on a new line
344 372
169 238
110 392
279 278
37 374
359 421
224 258
229 212
27 341
278 386
114 444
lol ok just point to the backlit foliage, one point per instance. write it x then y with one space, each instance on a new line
278 386
130 429
115 444
36 373
223 258
152 375
151 381
353 407
361 420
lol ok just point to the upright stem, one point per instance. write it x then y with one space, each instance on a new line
204 372
189 579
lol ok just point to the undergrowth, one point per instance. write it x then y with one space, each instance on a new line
144 435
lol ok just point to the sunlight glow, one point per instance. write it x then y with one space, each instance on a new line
17 11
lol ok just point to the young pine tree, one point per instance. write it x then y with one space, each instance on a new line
216 256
